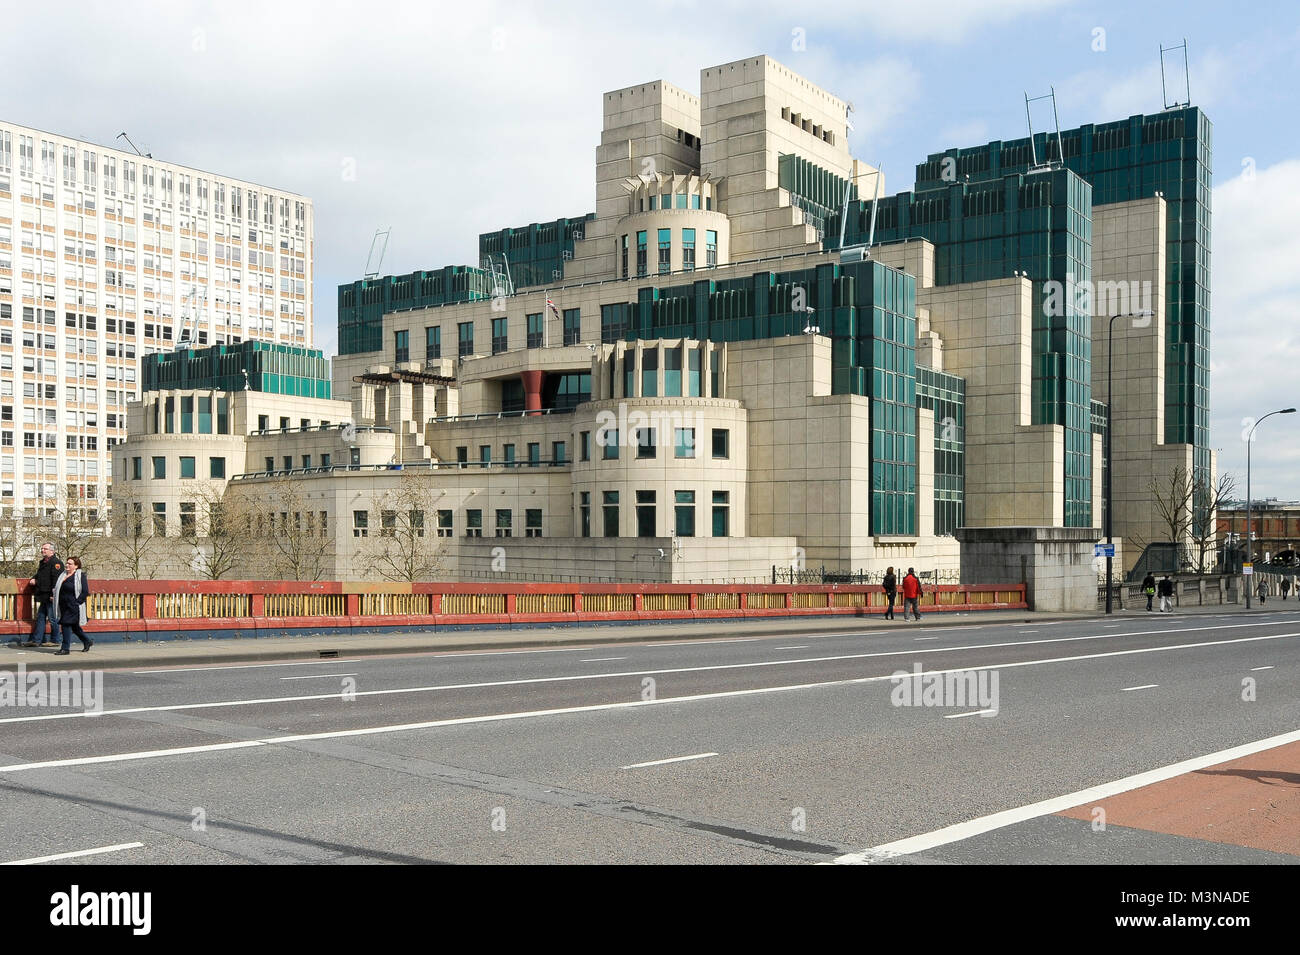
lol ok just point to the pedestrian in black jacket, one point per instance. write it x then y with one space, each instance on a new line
47 573
1149 588
70 593
1166 595
891 591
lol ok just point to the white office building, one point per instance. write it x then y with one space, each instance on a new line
106 255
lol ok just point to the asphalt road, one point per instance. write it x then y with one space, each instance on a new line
761 749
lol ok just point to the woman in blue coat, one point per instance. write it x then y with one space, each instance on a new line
70 593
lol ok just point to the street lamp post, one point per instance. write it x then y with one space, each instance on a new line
1110 426
1250 439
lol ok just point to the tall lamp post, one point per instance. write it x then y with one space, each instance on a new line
1110 426
1250 439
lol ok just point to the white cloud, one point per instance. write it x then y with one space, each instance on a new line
1255 337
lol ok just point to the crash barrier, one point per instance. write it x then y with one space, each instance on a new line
138 609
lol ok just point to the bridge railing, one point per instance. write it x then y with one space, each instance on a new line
140 608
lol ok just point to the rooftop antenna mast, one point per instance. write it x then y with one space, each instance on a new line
1035 165
123 135
373 273
1187 76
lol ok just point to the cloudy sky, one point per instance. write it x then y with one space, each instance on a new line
445 120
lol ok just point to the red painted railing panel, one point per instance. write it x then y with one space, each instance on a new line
148 623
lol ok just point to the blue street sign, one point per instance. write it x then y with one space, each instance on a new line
1103 550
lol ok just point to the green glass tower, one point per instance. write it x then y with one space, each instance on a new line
247 366
1040 225
364 303
536 252
867 309
1169 153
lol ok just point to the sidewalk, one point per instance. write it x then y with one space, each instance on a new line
182 652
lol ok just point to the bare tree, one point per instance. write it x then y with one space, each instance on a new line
291 538
77 527
17 547
220 540
1171 501
407 546
1208 500
132 545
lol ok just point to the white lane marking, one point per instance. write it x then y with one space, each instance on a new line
590 708
600 659
641 673
317 676
1144 686
675 759
243 666
1028 631
925 638
802 646
73 855
1009 817
957 716
700 643
1253 669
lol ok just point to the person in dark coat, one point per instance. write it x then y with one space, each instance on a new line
1149 588
70 593
1166 595
47 572
891 592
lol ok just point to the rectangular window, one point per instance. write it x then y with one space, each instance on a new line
693 373
684 442
387 523
607 438
136 469
462 455
665 251
584 514
534 454
432 342
721 443
688 250
205 414
504 522
679 200
510 455
465 339
584 445
325 460
610 513
684 513
572 326
559 452
625 256
533 522
402 346
159 519
649 373
499 335
484 455
187 518
217 468
159 468
473 523
445 527
360 523
672 372
645 513
535 330
645 442
710 248
187 467
640 254
721 513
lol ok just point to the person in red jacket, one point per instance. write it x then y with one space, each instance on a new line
911 593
